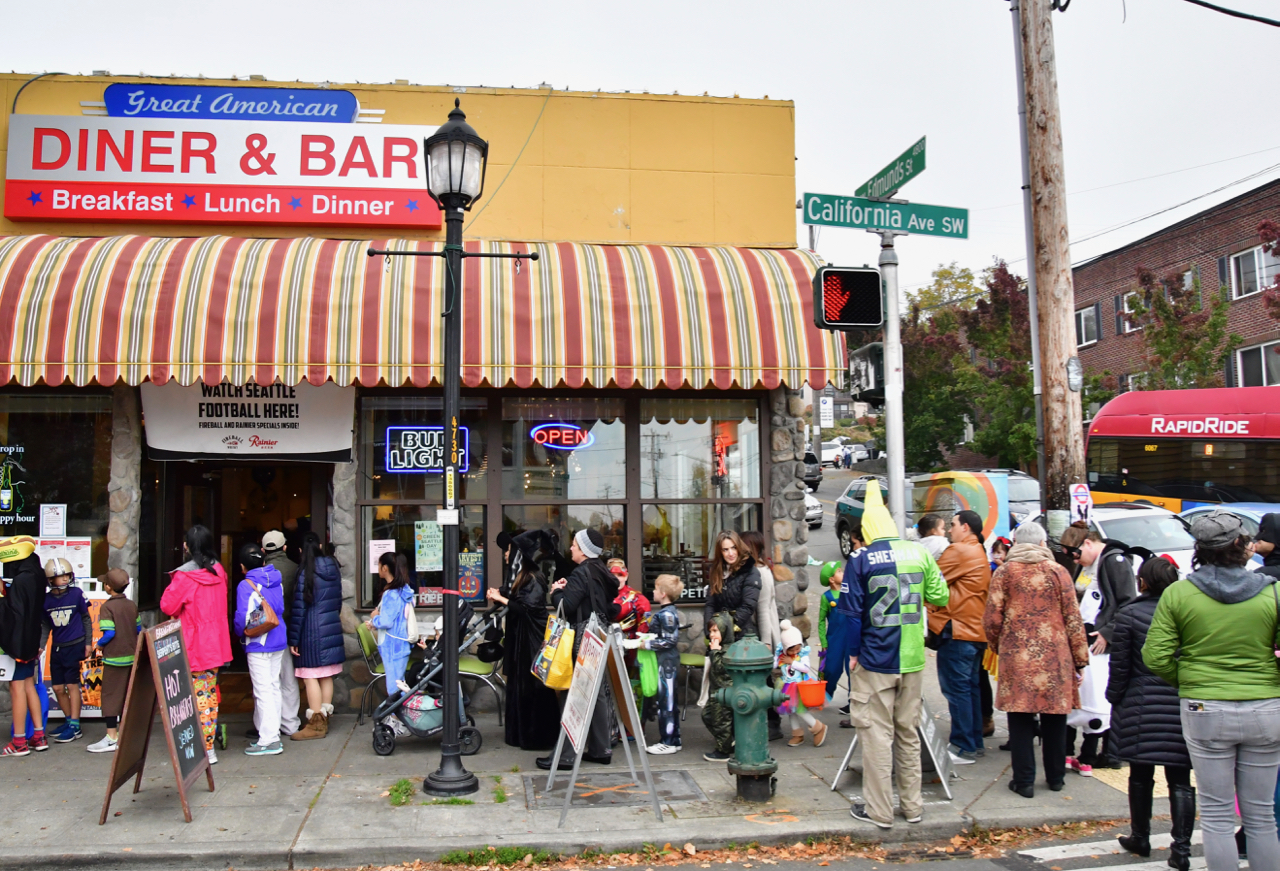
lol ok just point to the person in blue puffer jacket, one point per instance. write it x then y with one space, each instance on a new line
315 634
262 584
392 621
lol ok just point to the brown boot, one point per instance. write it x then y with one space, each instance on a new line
819 733
988 727
797 738
316 727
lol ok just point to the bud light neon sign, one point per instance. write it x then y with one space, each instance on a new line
421 449
562 436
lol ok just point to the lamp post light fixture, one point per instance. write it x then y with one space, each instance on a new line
456 157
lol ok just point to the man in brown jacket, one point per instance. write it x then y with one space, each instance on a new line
968 575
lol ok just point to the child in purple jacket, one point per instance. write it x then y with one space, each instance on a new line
265 652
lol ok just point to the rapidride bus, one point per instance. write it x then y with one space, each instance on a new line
1182 448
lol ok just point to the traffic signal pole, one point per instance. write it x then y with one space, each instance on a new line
895 443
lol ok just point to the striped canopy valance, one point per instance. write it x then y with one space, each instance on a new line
134 308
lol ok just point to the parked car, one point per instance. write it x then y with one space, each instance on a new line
849 507
812 471
812 511
860 453
1250 514
1141 525
832 453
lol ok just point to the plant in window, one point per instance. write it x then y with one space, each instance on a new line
1185 343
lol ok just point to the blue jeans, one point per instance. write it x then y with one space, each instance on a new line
1235 748
959 667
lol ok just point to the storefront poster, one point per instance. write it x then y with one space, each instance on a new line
53 520
471 575
215 171
377 547
79 552
269 421
428 540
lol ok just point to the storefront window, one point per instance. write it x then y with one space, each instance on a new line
564 449
565 521
402 450
678 540
411 530
55 450
699 449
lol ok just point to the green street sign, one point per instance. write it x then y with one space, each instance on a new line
886 182
916 218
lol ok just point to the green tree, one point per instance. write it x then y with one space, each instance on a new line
935 399
1185 344
998 329
953 286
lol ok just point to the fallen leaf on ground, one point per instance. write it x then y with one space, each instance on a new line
690 849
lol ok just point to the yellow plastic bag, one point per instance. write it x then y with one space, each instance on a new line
554 663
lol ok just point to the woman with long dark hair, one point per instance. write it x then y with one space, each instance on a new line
315 634
734 585
532 721
197 595
1146 723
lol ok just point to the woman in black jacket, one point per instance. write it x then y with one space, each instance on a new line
734 585
315 634
1146 722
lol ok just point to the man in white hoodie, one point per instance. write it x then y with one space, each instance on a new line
933 535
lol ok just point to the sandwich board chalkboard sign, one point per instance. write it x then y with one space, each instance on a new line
599 656
931 741
161 678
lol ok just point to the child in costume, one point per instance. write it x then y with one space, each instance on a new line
792 659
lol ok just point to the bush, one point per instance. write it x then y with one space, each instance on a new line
844 422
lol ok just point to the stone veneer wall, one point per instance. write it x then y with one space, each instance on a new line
124 488
787 525
343 533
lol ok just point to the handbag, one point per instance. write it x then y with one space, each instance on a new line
261 619
554 663
647 660
937 640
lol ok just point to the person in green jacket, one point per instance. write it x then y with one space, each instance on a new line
1214 637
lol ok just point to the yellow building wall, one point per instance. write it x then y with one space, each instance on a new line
595 167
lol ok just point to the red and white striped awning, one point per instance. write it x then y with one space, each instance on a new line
134 308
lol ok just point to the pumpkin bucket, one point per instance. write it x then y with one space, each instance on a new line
813 693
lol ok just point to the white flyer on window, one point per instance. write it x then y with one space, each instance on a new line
428 541
377 547
53 520
79 553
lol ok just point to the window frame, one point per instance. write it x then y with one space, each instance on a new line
1080 332
1259 270
1262 349
1126 311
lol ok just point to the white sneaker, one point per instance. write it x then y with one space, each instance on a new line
106 745
213 756
662 750
960 760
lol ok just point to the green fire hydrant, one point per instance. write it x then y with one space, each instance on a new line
750 662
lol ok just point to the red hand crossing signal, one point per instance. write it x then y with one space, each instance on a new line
845 298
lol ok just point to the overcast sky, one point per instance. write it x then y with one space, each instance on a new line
1174 87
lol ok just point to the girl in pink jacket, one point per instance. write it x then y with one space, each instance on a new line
197 595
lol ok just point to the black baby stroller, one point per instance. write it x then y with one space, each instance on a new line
420 711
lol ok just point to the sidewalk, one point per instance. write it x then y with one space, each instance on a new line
320 803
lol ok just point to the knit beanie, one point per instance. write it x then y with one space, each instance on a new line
790 635
590 542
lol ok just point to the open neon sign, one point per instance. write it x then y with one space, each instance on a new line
421 449
562 436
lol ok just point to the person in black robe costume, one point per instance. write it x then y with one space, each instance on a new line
532 715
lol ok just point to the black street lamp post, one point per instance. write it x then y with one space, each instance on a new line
456 158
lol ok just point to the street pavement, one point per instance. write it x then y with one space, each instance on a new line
324 804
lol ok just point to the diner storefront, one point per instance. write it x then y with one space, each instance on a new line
258 377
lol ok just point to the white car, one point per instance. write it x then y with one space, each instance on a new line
812 510
1140 525
832 453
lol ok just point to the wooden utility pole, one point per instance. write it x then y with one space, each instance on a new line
1051 259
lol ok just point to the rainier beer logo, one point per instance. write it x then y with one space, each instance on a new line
259 442
232 442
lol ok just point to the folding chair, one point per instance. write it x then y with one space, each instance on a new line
372 661
487 673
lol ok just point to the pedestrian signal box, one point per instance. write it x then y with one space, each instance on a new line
847 297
